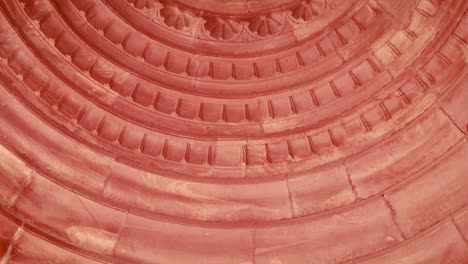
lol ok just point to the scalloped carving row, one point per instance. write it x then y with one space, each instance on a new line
230 28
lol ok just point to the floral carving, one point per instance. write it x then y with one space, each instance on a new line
267 25
307 10
220 28
176 18
230 28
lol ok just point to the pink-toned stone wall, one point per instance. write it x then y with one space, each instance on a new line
233 131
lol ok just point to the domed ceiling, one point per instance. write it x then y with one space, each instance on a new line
233 131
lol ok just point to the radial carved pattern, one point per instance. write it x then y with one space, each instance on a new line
224 131
175 18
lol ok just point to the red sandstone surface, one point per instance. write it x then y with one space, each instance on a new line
234 131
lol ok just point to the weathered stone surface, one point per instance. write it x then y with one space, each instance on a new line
227 131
